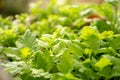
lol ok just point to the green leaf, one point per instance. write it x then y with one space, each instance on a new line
107 10
93 42
69 76
43 60
114 60
116 71
15 68
39 73
86 72
12 53
66 63
106 72
103 62
113 2
90 37
114 43
102 25
58 48
79 23
28 40
64 21
58 76
74 48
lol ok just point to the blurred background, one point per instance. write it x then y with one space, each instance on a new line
12 7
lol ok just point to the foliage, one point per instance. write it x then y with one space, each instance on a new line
63 42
